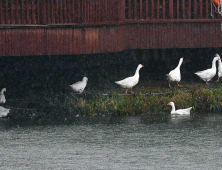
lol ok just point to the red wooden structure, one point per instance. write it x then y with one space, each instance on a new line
57 27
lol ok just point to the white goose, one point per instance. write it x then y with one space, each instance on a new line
207 75
3 111
2 96
130 82
79 86
175 75
219 68
179 111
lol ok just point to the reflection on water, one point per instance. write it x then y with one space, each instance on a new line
114 142
180 118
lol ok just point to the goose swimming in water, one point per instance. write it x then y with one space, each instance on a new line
179 111
79 86
3 111
175 75
130 82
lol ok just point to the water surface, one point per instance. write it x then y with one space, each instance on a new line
141 142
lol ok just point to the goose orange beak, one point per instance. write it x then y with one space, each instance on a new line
168 104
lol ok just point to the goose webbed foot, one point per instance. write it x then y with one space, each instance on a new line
169 85
132 91
126 91
179 85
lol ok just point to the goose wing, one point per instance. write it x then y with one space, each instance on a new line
78 86
4 111
183 111
174 75
127 82
2 98
206 74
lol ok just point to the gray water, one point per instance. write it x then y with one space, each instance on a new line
141 142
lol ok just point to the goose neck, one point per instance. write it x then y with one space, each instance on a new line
137 71
219 63
2 91
173 108
180 62
214 63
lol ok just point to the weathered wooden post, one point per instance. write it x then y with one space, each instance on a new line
121 10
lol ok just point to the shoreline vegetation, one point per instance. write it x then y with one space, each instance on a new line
149 99
38 86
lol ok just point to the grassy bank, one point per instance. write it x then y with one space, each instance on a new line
148 99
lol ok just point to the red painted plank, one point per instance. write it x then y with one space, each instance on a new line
147 9
7 42
2 42
141 9
2 12
72 11
12 16
195 9
201 9
130 9
27 12
61 12
158 9
164 9
42 43
189 9
33 12
48 12
65 11
57 11
178 9
135 9
183 9
52 11
207 9
80 19
171 9
96 11
48 34
43 13
68 11
6 12
38 13
68 41
11 42
76 41
152 9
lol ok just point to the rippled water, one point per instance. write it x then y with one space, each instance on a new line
143 142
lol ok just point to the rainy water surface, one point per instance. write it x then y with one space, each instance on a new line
141 142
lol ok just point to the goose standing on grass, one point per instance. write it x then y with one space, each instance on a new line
2 96
3 111
79 86
179 111
207 75
130 82
219 68
175 75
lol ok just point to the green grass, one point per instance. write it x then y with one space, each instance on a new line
151 98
